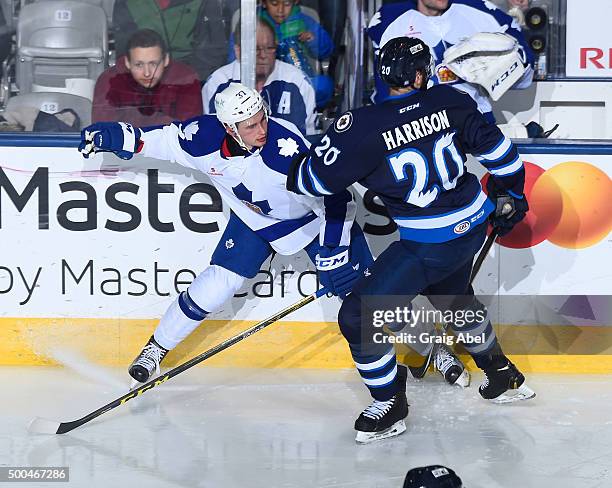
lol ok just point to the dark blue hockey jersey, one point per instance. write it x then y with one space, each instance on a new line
411 151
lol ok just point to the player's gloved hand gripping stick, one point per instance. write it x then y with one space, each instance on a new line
510 208
43 426
336 271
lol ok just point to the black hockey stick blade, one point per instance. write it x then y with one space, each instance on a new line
44 426
419 371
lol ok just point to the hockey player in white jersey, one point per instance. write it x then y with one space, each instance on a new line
476 46
247 155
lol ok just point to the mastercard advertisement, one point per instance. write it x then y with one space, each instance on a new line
563 245
570 205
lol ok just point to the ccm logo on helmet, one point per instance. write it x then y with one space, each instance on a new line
416 49
462 227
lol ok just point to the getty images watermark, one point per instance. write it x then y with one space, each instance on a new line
411 326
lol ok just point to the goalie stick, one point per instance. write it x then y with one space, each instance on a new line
44 426
419 371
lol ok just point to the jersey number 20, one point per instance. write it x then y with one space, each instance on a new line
423 192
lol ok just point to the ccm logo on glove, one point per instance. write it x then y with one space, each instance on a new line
332 262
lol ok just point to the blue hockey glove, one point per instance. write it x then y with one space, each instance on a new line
510 208
336 272
117 137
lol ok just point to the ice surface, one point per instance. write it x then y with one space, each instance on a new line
219 428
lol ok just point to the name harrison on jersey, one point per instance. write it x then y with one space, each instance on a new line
416 129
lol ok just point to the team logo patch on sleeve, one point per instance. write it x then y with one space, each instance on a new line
344 122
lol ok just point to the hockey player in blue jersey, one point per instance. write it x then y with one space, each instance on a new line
247 155
411 152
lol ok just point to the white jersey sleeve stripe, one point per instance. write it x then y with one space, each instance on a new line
508 169
300 181
318 186
498 152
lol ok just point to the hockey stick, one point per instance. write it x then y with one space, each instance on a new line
483 254
419 371
43 426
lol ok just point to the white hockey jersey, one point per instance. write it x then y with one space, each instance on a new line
254 184
462 19
287 91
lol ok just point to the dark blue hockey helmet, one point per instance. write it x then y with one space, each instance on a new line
432 477
401 59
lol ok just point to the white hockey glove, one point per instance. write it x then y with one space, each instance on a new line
493 60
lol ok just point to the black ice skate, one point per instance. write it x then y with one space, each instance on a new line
504 383
450 366
147 362
385 419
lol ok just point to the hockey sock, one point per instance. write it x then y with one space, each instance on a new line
478 336
379 373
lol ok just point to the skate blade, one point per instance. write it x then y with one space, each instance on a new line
463 381
366 437
523 392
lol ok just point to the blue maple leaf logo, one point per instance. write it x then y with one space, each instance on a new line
246 195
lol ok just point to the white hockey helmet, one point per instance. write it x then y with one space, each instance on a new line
237 103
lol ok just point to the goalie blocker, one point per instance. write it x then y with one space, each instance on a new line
493 60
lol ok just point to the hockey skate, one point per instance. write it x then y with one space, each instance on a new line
504 383
147 362
446 363
450 366
383 419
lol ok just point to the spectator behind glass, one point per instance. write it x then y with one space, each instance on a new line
146 87
299 37
174 20
285 88
333 15
189 28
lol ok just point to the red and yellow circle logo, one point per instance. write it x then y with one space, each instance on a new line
569 205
